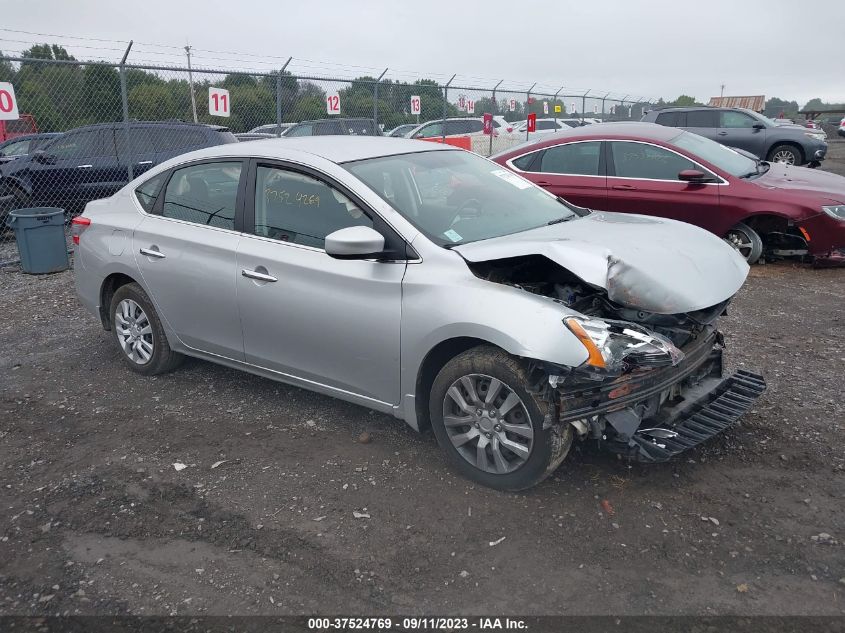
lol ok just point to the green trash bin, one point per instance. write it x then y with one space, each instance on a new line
40 234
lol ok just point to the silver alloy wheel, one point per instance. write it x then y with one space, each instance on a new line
741 241
488 423
134 332
784 156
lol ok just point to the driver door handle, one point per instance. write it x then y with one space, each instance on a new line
722 133
543 183
152 253
254 274
624 187
84 166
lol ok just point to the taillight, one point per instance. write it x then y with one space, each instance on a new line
78 226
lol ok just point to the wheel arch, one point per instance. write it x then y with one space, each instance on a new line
110 285
432 363
790 143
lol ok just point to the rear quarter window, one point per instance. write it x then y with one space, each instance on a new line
173 139
147 193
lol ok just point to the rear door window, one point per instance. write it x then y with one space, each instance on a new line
88 143
576 159
327 128
701 118
204 194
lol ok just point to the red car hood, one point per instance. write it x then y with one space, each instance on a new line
803 180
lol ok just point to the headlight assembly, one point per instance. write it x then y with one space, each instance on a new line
611 345
836 211
819 136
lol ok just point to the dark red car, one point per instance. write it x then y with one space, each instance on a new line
764 209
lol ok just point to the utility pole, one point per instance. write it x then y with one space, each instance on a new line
722 91
191 82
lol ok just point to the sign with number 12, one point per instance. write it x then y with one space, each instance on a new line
218 102
333 104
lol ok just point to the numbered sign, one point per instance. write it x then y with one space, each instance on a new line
8 103
470 106
545 107
558 108
333 104
415 104
462 103
532 122
218 102
512 105
572 107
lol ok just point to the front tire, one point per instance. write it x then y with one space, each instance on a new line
746 241
788 154
490 426
139 333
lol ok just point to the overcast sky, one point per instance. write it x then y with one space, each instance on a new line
659 48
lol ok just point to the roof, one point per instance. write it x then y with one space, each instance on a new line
172 122
338 149
754 102
620 130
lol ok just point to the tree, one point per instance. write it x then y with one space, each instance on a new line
684 101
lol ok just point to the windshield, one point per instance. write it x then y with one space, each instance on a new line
456 197
722 157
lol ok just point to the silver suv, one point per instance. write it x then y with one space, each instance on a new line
428 283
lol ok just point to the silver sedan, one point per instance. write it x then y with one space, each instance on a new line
426 282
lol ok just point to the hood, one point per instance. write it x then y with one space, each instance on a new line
652 264
803 180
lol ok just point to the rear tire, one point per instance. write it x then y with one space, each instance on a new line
746 241
139 334
505 446
788 154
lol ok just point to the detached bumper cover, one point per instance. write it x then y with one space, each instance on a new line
652 416
708 416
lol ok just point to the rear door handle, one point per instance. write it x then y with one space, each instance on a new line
624 187
152 253
543 183
84 166
254 274
146 162
722 133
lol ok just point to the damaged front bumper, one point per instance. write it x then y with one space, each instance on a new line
653 415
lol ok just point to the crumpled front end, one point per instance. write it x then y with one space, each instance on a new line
652 414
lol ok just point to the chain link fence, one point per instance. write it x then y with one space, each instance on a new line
111 122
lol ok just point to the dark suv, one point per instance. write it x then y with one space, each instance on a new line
325 127
745 129
91 162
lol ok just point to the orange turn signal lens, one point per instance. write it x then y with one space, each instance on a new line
804 233
594 357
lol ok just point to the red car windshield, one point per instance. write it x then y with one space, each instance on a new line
718 155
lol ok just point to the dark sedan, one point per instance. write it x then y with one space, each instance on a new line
764 209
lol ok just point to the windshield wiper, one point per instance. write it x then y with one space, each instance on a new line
565 218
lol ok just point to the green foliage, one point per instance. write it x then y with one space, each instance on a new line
684 101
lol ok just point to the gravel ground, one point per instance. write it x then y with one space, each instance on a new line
293 503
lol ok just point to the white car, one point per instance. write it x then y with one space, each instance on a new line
472 127
271 128
548 126
841 130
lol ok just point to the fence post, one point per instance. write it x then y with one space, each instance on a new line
375 98
602 106
554 105
124 100
527 103
445 102
584 104
279 98
495 108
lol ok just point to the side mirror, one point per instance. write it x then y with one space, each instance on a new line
695 176
758 126
355 242
40 156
